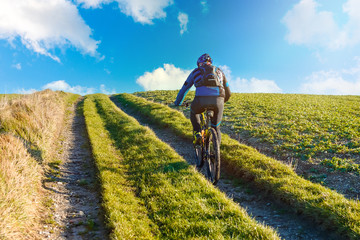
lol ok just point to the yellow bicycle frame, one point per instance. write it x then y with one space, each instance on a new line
205 130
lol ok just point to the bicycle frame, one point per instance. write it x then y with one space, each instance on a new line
205 124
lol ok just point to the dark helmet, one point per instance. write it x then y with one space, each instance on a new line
204 58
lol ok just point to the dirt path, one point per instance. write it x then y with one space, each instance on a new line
74 191
289 225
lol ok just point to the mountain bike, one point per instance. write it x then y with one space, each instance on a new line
208 152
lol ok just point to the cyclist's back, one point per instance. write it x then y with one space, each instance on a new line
212 91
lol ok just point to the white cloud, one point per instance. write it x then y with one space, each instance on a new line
17 66
227 71
167 78
205 7
253 85
61 85
183 19
26 91
342 82
355 70
330 82
171 78
352 28
105 91
92 3
143 11
309 26
43 25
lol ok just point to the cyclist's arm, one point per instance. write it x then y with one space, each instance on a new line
185 89
227 88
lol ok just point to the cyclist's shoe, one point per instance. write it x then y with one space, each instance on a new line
197 138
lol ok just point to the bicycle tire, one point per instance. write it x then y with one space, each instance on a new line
199 161
212 149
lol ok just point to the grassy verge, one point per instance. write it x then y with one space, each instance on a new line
27 132
177 200
20 185
125 213
325 206
35 118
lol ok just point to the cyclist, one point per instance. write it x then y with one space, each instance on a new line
212 90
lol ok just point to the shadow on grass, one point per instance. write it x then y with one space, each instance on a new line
142 154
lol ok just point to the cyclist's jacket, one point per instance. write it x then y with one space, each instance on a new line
220 89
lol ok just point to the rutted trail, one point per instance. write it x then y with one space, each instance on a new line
76 200
288 224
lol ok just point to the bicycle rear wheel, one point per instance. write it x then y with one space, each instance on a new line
213 158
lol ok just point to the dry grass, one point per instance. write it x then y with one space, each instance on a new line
29 125
20 185
34 118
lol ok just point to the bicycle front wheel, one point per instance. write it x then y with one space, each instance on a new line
213 157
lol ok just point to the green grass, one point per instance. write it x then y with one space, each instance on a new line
325 206
343 165
306 127
125 213
169 198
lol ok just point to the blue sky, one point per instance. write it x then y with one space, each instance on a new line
114 46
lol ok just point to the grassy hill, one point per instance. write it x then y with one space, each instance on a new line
150 192
322 204
318 129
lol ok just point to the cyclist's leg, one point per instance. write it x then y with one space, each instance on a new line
218 113
195 110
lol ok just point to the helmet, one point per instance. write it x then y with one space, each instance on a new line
204 58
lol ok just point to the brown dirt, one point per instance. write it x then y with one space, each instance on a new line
76 206
288 224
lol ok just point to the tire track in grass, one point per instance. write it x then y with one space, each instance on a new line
126 215
288 225
77 203
179 201
323 206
